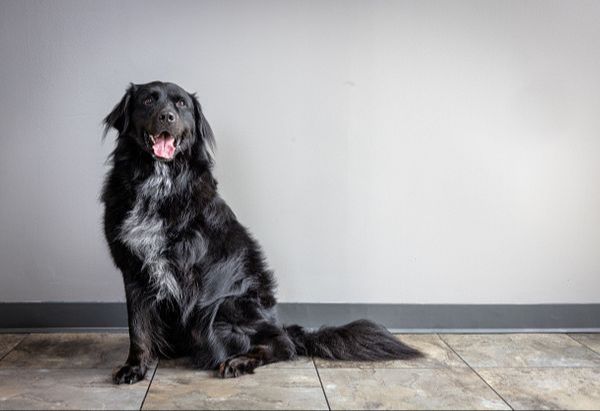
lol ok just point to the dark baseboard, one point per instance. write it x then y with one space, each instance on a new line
452 317
398 317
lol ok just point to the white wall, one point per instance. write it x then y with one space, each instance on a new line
399 152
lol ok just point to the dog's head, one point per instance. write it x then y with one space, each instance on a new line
163 120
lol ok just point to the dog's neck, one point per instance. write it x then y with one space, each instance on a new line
166 179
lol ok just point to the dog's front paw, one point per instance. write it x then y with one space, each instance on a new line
129 374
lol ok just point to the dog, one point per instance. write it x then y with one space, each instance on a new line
196 281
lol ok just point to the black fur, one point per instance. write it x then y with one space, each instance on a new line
195 280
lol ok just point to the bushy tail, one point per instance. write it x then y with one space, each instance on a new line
360 340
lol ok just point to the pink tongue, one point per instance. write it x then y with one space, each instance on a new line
164 146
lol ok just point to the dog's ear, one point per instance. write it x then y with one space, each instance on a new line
205 137
118 118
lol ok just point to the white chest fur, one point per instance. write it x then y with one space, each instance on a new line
144 232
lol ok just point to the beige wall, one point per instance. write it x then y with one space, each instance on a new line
399 152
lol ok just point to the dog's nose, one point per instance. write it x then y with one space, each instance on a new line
167 117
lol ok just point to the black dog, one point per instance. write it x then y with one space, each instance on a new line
196 281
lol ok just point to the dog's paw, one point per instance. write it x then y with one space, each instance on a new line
129 374
237 366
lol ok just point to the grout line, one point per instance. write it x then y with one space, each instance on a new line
14 346
321 382
585 345
149 385
508 330
433 367
476 373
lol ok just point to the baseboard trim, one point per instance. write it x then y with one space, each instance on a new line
417 318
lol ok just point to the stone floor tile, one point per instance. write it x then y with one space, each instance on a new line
67 389
591 341
176 388
433 388
521 350
81 350
437 355
546 388
9 341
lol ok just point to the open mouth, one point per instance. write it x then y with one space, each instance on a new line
163 145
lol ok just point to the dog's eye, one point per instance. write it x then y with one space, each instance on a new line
148 101
181 103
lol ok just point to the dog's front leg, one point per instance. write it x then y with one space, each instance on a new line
141 353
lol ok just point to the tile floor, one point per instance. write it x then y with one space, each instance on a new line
460 371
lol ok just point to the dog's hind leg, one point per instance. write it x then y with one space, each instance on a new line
212 348
270 344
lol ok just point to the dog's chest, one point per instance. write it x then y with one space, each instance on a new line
146 233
